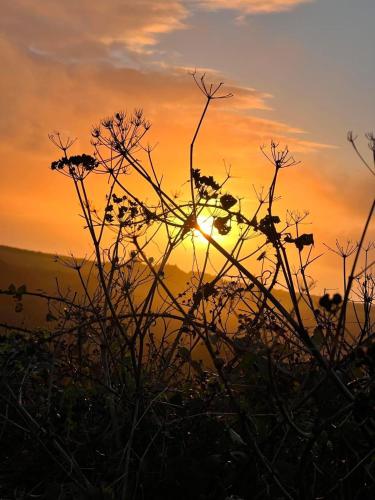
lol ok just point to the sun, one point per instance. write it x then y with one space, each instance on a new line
205 222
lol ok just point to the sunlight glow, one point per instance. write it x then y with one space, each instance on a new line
205 222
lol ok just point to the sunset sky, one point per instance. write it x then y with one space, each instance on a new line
301 71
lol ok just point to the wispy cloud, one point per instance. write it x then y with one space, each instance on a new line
93 29
70 26
251 6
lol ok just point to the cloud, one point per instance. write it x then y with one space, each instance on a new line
251 6
39 94
63 27
94 30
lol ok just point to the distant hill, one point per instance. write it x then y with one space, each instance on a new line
39 272
42 272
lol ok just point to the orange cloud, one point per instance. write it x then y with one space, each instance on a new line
89 27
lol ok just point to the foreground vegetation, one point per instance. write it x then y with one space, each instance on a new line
220 390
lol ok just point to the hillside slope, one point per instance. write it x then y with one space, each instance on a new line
42 272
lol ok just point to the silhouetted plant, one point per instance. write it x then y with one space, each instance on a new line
220 390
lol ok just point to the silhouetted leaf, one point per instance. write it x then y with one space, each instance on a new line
266 225
227 201
301 241
221 224
304 240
